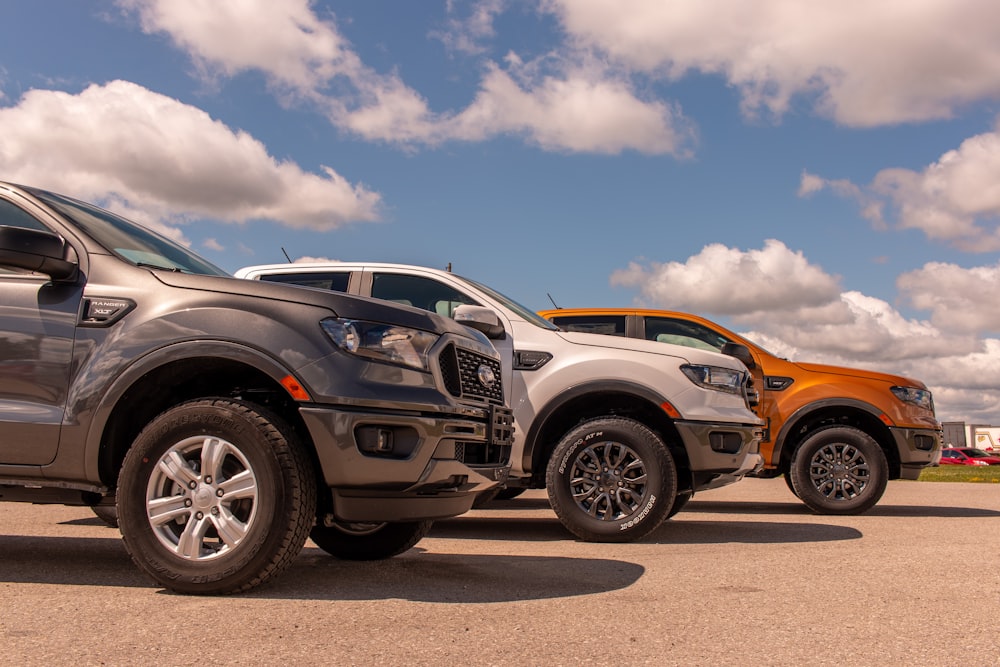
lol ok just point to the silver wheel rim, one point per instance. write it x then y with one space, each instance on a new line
201 499
839 472
608 481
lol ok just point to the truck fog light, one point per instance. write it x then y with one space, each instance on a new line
726 443
395 442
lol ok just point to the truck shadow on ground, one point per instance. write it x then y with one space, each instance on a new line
416 575
676 531
791 507
882 509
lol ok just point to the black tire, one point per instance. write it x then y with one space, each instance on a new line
510 492
788 483
106 513
680 501
611 480
839 470
368 541
215 496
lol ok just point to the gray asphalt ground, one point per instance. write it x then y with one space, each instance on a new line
746 575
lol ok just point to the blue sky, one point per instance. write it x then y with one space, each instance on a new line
822 176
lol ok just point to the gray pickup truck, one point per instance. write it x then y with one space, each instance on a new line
227 420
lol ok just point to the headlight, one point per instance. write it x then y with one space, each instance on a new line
718 378
980 463
381 342
919 397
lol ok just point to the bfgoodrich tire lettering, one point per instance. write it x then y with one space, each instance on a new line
368 541
611 480
839 470
215 496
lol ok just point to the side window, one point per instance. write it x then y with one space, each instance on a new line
14 216
610 325
420 292
333 281
682 332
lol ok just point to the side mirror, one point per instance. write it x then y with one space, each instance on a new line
741 352
35 250
480 318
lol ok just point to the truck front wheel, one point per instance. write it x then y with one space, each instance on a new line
611 480
368 541
839 470
215 496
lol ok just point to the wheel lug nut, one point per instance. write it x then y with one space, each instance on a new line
219 492
208 479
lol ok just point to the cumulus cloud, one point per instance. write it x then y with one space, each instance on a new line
156 159
583 109
863 63
796 310
959 299
774 278
956 199
563 103
466 34
285 40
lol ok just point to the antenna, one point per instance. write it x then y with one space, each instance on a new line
449 267
286 255
553 301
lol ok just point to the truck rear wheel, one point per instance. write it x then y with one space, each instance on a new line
368 541
839 470
216 496
611 480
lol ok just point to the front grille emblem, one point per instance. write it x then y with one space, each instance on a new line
486 376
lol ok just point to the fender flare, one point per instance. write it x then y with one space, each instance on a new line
794 418
542 416
170 353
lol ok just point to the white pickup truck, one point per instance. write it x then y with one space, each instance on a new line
621 432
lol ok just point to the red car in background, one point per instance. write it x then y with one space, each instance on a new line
968 456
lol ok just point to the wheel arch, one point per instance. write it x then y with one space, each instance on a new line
847 412
598 399
173 375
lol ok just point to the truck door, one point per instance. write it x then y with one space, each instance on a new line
37 326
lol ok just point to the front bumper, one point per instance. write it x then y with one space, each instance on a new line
396 466
720 453
917 449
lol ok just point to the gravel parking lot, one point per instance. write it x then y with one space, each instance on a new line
745 575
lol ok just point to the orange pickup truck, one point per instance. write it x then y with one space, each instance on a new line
837 434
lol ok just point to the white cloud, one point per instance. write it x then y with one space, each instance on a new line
162 160
582 109
864 63
285 40
959 299
771 279
796 310
465 35
956 199
578 104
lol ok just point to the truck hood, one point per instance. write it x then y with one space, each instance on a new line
899 380
689 354
340 304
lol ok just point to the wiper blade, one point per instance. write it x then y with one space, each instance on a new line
147 265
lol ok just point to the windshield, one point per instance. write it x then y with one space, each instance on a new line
129 241
510 304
